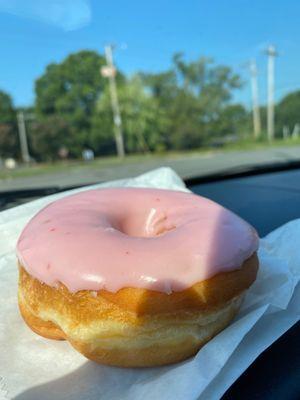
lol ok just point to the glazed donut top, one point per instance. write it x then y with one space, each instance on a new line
130 237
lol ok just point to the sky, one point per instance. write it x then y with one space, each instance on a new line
34 33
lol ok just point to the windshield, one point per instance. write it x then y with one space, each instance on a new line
92 91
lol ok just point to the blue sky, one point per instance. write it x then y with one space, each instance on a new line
34 33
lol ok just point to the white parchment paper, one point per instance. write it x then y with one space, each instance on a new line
34 368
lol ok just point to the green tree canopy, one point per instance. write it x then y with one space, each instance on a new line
181 108
70 90
72 86
7 112
233 120
49 135
193 95
143 121
8 131
288 112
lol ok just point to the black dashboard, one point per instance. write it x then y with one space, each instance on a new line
266 201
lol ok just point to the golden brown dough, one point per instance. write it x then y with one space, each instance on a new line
135 327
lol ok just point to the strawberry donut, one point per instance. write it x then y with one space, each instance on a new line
134 277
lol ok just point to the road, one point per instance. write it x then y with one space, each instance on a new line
186 166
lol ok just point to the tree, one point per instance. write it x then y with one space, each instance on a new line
7 112
49 135
71 86
8 128
163 85
180 108
70 90
193 95
143 120
233 120
288 112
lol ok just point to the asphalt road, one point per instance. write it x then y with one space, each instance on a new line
186 166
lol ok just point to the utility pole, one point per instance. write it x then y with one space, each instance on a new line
109 71
271 53
23 137
255 102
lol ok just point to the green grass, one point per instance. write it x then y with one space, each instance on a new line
261 144
105 162
47 168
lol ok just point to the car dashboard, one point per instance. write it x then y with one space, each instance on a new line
266 201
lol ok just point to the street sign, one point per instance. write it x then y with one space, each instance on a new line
108 71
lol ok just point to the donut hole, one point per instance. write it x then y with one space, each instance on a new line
146 225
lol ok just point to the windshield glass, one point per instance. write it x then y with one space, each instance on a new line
92 91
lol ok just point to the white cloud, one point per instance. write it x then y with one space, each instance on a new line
66 14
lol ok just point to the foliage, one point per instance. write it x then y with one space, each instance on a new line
288 112
8 128
71 86
51 134
7 114
233 120
193 95
143 121
184 107
179 108
69 90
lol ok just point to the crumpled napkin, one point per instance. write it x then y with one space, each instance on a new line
34 368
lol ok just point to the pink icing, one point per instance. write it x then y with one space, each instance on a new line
125 237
